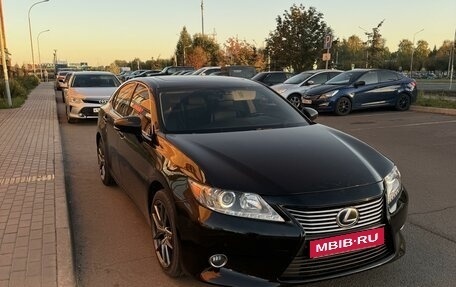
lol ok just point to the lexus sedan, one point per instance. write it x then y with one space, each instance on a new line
361 89
243 189
293 88
86 92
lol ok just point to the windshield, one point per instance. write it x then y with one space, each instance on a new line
345 78
89 81
298 79
226 109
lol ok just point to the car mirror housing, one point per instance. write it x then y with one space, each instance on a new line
310 83
130 124
359 83
312 114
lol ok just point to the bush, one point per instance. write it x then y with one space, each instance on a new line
29 82
17 90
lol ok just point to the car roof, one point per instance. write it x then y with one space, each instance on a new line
193 81
92 73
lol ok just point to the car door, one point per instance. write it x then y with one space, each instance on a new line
120 106
367 94
136 153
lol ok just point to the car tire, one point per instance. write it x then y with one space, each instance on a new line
403 102
164 233
70 120
295 99
103 166
343 106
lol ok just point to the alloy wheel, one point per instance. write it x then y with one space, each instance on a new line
163 235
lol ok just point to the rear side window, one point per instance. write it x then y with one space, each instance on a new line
121 100
388 76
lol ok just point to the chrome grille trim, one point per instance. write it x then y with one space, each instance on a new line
320 222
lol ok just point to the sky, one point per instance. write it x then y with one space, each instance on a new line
101 31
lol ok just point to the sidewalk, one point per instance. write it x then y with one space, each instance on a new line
35 235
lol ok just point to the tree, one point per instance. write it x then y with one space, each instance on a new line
184 42
208 46
404 54
239 53
297 41
376 49
350 52
421 54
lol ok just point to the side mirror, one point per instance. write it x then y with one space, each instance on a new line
130 124
312 114
359 83
310 83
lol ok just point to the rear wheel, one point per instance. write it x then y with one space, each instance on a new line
343 106
403 102
103 167
164 232
295 99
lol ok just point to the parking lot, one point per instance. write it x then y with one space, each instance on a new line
112 242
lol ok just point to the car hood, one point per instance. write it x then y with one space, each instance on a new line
283 161
96 92
282 86
321 89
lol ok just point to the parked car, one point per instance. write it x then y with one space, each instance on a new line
59 79
87 92
293 88
204 71
240 186
147 73
64 84
272 77
169 70
239 71
361 89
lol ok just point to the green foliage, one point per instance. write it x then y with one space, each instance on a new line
18 93
29 82
440 99
297 41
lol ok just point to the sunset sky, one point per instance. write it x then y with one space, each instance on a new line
101 31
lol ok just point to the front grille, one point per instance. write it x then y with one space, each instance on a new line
88 112
302 268
323 221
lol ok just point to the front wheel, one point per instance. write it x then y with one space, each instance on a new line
403 102
295 100
343 106
164 232
103 168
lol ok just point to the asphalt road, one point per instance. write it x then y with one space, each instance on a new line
112 241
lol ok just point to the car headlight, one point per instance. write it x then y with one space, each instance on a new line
328 95
234 203
281 91
393 187
75 100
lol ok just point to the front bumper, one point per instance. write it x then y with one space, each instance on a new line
264 253
83 111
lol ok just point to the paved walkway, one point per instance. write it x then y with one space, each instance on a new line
35 235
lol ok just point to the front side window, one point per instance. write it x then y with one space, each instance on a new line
369 78
121 100
140 106
225 109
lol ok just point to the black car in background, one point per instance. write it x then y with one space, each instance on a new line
242 189
272 77
361 89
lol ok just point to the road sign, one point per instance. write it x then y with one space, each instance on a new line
328 42
326 56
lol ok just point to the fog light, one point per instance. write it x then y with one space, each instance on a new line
218 260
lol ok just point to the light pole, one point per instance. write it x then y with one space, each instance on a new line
30 32
413 51
367 45
39 54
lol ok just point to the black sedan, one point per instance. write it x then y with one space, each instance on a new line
242 189
361 89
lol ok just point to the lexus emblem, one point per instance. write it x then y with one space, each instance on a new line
347 217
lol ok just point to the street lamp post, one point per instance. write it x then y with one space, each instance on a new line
39 53
413 51
30 32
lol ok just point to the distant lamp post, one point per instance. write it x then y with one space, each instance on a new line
413 51
39 53
30 32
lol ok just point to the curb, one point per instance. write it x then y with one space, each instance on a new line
442 111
